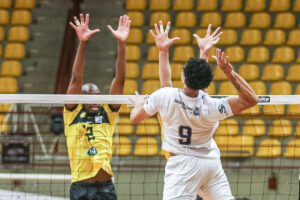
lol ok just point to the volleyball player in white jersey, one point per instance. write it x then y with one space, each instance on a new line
190 118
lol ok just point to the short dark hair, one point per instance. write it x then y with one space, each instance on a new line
198 74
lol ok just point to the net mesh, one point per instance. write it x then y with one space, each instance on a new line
260 153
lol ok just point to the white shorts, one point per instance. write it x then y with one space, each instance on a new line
185 176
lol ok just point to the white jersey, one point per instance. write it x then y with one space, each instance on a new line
188 123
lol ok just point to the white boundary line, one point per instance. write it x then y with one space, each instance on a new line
44 177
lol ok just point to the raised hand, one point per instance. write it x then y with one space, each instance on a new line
223 61
162 41
123 29
82 28
206 43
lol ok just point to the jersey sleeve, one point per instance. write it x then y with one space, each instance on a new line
154 102
219 109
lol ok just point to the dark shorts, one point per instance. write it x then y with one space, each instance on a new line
93 191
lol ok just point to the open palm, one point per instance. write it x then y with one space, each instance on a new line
82 30
123 29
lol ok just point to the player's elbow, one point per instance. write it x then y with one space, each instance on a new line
253 101
134 119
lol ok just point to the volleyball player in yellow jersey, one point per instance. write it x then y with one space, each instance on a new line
89 128
163 43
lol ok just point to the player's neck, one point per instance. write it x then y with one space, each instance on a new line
190 92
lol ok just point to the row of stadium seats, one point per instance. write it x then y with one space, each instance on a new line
15 34
18 17
229 127
258 54
19 4
13 51
211 5
232 146
233 20
272 37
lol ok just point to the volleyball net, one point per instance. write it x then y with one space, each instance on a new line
260 149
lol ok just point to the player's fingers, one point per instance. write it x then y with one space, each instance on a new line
175 38
121 21
87 19
161 26
168 27
95 31
77 22
218 35
216 41
196 36
136 93
156 29
216 59
152 33
81 19
110 28
208 29
216 32
126 20
72 25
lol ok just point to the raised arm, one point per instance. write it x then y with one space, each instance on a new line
163 43
246 96
206 43
83 33
121 34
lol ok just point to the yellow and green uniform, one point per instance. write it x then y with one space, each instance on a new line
89 140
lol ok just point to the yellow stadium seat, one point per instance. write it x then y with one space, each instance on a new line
283 55
296 6
279 5
124 126
4 17
298 57
133 53
21 17
219 75
122 146
260 20
227 88
125 109
254 127
255 110
136 5
211 90
135 36
11 68
150 38
14 51
183 5
297 132
251 37
285 20
146 146
3 124
258 55
235 146
186 20
280 128
259 87
249 72
150 71
149 128
273 110
229 37
228 127
130 86
235 20
184 34
176 69
293 73
235 53
255 5
155 17
150 86
153 54
5 108
297 89
24 4
294 38
1 51
183 53
2 34
213 18
273 72
293 109
207 5
269 148
281 88
231 5
293 149
132 70
159 5
274 37
137 18
178 84
8 85
18 34
5 3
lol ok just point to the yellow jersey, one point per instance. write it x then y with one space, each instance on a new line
89 140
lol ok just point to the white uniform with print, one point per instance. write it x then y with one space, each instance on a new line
189 125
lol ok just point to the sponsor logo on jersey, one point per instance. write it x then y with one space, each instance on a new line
222 109
99 119
92 151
